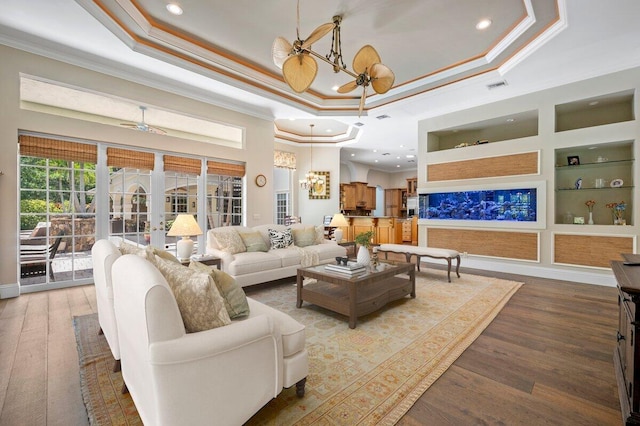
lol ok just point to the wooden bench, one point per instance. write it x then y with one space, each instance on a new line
418 252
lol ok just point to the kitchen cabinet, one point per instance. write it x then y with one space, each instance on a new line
412 187
347 196
393 202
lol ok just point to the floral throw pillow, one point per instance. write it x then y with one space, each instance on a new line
199 301
229 240
280 239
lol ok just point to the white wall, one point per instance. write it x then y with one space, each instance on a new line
325 159
258 153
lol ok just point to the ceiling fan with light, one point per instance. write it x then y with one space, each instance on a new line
299 68
144 127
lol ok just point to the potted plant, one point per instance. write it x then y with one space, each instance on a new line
364 241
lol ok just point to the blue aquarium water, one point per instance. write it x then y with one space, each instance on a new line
498 204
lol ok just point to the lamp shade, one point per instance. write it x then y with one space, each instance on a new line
339 220
184 225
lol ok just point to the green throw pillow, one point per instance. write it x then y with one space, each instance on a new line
234 298
304 237
253 241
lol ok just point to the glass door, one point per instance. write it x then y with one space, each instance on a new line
57 212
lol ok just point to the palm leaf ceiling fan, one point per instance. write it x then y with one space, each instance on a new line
144 127
299 68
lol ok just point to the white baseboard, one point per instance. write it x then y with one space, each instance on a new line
9 290
602 277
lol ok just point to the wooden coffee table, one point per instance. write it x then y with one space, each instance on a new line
355 297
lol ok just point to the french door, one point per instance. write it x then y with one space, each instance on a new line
73 192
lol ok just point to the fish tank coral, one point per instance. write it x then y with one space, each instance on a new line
488 205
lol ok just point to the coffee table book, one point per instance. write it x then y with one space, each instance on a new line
348 269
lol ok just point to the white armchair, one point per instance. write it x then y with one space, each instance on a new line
218 376
103 254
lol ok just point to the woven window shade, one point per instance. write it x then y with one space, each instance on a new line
284 160
225 169
36 146
182 165
117 157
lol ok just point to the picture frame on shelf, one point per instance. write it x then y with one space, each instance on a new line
573 160
578 220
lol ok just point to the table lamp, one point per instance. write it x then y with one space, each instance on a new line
184 226
338 220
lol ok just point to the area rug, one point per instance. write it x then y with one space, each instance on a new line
370 375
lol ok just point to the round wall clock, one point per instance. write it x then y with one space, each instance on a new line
261 180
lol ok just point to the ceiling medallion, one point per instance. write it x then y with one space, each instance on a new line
299 68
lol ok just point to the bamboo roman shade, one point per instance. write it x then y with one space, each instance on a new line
36 146
182 165
118 157
225 169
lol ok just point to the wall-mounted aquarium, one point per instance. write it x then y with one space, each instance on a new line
488 205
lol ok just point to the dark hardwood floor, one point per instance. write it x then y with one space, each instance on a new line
545 359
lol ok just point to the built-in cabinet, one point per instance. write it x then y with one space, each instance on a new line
584 152
601 173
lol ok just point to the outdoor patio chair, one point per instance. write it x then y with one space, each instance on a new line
34 254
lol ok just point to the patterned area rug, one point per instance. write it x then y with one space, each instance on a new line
370 375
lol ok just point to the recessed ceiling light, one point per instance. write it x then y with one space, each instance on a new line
593 103
174 9
398 157
382 117
376 161
410 156
375 150
510 120
335 88
401 146
397 165
328 130
352 154
483 24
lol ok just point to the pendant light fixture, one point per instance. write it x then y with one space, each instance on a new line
311 180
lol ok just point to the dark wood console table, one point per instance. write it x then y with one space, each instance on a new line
626 356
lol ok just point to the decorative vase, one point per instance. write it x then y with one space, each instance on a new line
590 218
363 258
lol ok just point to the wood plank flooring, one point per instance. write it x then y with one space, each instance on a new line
545 359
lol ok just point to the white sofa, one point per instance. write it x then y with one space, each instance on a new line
103 254
250 268
222 375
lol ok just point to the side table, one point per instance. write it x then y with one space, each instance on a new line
204 259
